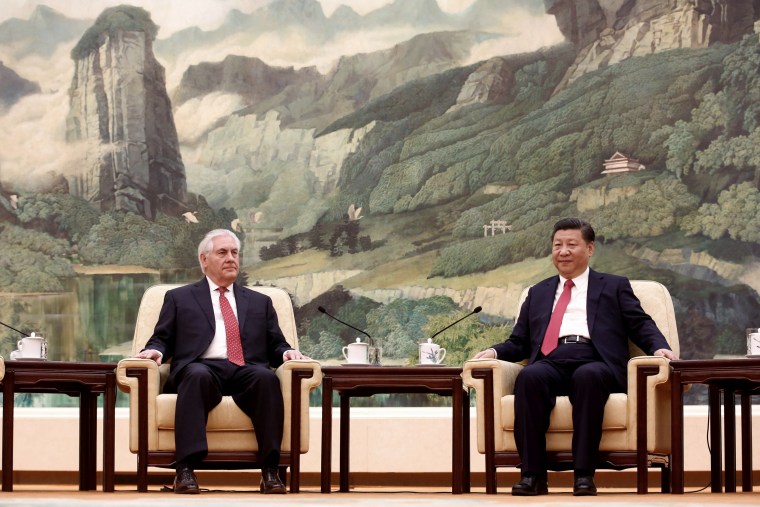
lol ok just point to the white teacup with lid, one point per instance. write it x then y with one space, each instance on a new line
31 347
753 342
431 353
356 353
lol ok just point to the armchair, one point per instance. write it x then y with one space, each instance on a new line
634 433
230 433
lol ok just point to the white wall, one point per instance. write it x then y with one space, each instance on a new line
401 440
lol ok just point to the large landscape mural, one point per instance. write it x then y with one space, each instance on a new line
398 163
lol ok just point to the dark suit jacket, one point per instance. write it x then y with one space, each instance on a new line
185 326
614 315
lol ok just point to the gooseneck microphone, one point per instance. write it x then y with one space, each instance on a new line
13 328
473 312
322 309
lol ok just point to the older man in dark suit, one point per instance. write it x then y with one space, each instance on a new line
574 330
223 339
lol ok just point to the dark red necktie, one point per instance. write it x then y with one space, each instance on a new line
552 332
234 347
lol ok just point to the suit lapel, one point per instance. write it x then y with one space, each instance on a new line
545 296
241 301
595 287
202 295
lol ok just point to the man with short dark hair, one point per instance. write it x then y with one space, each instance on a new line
224 340
573 329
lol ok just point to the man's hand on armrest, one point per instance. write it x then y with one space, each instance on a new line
666 353
150 354
486 354
291 354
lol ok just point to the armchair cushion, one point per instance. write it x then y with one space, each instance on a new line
561 420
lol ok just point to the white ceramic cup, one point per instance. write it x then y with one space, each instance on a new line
31 347
753 341
431 353
375 355
356 353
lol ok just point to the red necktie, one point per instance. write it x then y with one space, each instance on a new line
552 332
234 347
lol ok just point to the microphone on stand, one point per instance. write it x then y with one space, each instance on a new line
476 310
322 309
13 328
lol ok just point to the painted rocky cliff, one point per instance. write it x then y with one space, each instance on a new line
606 32
121 112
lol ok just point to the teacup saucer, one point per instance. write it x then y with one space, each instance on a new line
29 359
430 364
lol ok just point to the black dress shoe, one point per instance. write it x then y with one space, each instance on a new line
271 483
530 485
185 482
584 486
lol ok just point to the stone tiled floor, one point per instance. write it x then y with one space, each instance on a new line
57 496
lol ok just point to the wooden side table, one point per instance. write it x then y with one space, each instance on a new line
727 376
351 381
85 380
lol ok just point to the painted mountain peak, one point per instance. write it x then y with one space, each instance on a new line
13 87
120 108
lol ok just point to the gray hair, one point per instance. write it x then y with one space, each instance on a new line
206 244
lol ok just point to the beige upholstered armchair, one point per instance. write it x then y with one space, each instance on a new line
231 438
634 434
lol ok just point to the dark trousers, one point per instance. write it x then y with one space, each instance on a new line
573 370
254 388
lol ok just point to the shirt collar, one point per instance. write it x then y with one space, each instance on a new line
580 281
213 286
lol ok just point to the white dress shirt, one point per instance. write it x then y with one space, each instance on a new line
575 321
218 347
